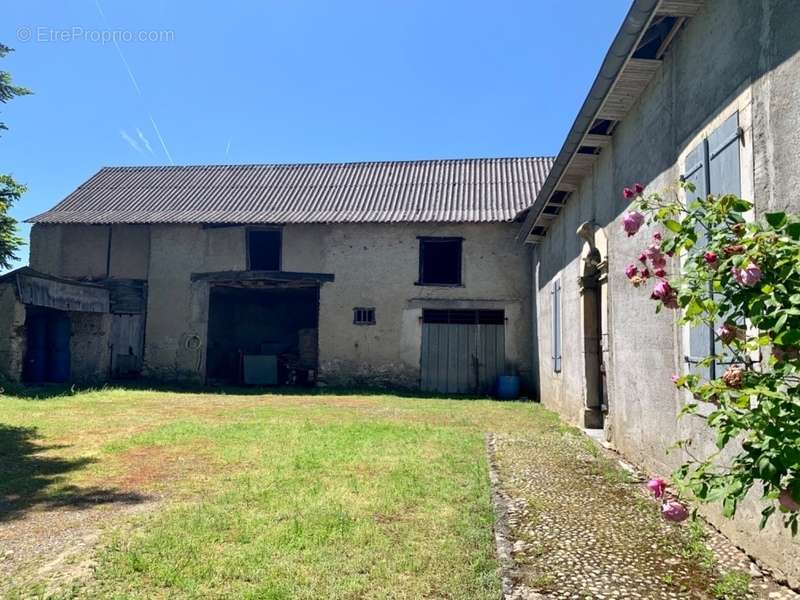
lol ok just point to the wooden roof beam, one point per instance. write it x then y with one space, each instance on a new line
596 140
679 8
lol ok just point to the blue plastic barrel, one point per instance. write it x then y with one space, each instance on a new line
508 387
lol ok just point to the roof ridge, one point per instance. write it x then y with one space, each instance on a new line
331 163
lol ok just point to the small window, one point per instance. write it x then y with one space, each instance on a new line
440 261
264 249
363 316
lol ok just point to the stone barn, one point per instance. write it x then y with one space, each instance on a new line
393 274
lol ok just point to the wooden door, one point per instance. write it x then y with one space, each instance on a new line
463 351
127 345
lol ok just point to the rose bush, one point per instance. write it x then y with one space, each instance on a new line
743 279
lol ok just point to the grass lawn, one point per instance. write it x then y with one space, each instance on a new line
266 496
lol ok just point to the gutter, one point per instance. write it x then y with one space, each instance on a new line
624 45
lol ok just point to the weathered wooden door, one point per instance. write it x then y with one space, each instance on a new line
127 345
463 351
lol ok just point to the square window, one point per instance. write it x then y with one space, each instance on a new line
264 249
440 261
363 316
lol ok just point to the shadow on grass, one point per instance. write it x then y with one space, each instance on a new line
44 392
29 479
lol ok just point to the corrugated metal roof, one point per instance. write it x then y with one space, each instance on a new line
463 190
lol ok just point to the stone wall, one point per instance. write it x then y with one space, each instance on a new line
90 353
12 333
738 55
91 252
374 265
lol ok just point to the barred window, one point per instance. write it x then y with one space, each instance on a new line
363 316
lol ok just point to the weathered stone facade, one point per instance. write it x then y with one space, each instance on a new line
12 332
374 265
734 56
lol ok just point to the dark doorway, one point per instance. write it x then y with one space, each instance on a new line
262 336
47 359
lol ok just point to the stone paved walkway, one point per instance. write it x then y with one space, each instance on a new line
574 525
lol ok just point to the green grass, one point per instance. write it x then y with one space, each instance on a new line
270 496
732 586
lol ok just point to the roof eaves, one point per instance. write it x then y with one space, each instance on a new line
622 48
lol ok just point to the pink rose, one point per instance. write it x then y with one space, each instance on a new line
671 301
645 274
727 333
660 272
788 502
631 222
643 257
653 252
733 376
638 188
785 353
710 257
664 292
657 486
630 271
748 276
661 290
675 379
657 236
672 510
735 249
628 193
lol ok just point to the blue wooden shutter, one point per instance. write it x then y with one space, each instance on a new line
713 166
696 172
556 325
723 156
725 177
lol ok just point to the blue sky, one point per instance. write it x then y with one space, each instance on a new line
284 81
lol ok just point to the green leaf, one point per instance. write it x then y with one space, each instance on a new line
767 469
776 219
793 229
789 337
780 322
729 507
673 226
694 308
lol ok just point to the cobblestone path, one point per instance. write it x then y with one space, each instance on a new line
573 524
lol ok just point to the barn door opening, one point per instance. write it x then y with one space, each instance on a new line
48 358
463 351
263 335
